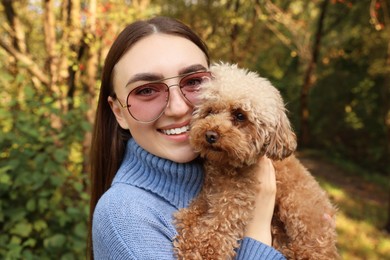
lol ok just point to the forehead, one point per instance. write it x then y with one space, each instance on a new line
160 54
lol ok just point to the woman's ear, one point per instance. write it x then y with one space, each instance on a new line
118 111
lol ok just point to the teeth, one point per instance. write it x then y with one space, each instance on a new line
176 131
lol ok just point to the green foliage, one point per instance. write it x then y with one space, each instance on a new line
43 207
347 104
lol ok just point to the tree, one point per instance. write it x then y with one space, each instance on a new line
375 7
297 34
51 54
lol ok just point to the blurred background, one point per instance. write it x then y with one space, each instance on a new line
329 58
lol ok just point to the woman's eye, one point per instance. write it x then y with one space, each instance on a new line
147 90
193 82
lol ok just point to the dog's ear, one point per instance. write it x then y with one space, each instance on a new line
282 141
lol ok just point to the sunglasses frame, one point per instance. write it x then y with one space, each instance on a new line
182 76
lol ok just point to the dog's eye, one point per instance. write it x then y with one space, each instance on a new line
210 111
239 116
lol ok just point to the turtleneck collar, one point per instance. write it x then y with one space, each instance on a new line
178 183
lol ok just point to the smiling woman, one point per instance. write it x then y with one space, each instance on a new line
176 56
143 167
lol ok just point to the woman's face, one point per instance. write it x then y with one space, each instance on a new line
159 56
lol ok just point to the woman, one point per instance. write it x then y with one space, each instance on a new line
143 168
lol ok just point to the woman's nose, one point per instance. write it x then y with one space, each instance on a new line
178 105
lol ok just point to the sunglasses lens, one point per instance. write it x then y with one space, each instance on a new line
190 85
148 101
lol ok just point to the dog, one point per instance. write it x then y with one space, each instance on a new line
242 117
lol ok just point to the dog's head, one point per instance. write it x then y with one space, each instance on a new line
241 116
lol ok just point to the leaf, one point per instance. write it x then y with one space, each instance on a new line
68 256
58 240
30 242
4 177
80 230
29 92
22 229
60 155
15 240
16 214
73 212
43 204
31 204
40 225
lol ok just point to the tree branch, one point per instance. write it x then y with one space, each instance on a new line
50 40
309 75
31 66
295 32
17 34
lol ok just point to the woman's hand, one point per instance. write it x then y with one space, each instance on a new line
260 226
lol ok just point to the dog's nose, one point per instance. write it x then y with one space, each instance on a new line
211 137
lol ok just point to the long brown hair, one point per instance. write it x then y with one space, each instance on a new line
109 139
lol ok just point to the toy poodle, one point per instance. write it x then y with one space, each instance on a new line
242 117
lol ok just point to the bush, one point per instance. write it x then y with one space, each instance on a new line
43 206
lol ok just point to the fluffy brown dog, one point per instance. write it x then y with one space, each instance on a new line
241 118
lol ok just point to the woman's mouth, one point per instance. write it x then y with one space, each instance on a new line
176 131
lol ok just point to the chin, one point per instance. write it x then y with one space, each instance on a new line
182 156
184 159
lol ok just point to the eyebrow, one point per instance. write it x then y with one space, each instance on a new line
156 77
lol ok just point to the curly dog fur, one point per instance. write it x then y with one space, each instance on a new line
241 118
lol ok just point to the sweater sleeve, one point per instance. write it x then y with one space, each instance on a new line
253 249
130 224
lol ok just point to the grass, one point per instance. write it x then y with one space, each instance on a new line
360 220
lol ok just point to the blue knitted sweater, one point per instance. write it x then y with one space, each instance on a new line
133 219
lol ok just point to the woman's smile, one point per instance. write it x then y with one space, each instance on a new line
176 131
